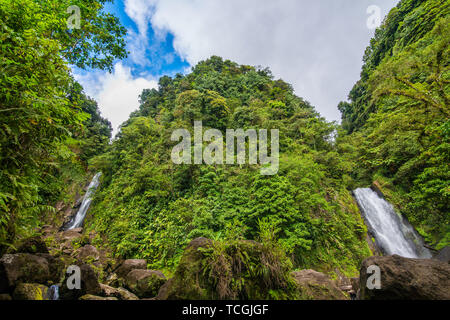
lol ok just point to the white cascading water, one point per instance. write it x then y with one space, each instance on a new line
81 214
392 233
53 292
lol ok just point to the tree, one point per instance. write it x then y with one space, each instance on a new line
38 108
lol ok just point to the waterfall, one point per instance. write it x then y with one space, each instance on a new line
53 292
77 221
392 233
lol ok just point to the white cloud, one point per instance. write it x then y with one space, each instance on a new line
117 93
139 11
315 45
137 46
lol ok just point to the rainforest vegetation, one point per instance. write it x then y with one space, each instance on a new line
395 130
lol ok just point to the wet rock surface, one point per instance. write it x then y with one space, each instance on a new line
406 279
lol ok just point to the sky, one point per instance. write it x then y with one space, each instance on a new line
317 46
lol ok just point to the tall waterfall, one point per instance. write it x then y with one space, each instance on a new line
392 233
81 214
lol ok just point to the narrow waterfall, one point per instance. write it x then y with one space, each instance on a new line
77 221
392 233
53 292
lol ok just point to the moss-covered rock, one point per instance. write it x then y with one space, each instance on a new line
87 254
145 283
313 285
237 270
56 267
89 285
114 280
119 293
30 291
32 245
129 265
23 268
92 297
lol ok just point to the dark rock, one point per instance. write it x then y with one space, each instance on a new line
119 293
30 291
23 267
376 186
313 285
129 265
88 254
56 267
374 248
114 280
92 297
407 279
32 245
126 295
199 243
71 235
89 285
5 297
163 293
355 284
145 283
78 202
443 255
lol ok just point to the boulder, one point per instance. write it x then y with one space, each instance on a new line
92 297
114 280
89 285
30 291
33 245
443 255
126 295
163 293
129 265
88 254
406 279
23 267
5 297
56 267
78 202
313 285
120 293
71 235
145 283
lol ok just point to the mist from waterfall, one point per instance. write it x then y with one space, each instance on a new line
392 233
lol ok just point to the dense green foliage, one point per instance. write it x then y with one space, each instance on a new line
233 269
400 111
47 125
151 208
395 131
